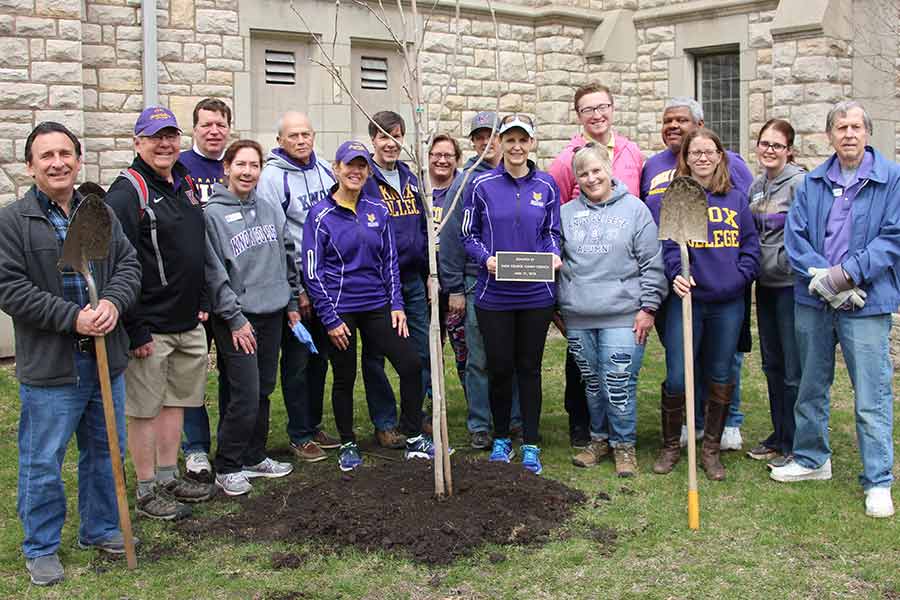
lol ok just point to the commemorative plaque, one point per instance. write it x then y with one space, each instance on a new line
525 266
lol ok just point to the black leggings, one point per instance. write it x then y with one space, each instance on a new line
375 328
514 344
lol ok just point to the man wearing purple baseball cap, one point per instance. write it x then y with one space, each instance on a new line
159 208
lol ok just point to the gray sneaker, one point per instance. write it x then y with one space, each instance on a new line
45 570
481 440
190 490
159 504
268 468
115 544
234 484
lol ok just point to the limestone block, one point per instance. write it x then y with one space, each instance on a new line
186 72
111 100
177 35
106 124
815 69
224 64
560 62
554 43
212 51
181 14
89 99
439 42
129 50
20 74
471 41
545 30
552 77
230 4
7 24
134 103
763 56
16 116
15 131
13 52
553 112
36 48
98 56
468 87
193 52
7 187
218 91
810 117
89 76
55 72
169 51
757 107
816 144
759 36
36 27
659 34
120 79
233 47
125 32
664 50
784 54
824 92
494 88
111 15
522 33
175 88
223 77
782 75
511 103
7 151
787 94
209 38
65 96
116 158
98 144
17 6
69 29
217 21
58 8
109 34
63 50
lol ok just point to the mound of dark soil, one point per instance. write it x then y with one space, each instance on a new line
392 507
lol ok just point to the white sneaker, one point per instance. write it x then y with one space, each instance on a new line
197 463
794 471
879 503
234 484
698 434
731 439
268 468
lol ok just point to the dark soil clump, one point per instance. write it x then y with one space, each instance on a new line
391 507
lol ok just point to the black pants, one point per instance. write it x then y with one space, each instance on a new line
303 380
514 346
375 329
576 403
244 412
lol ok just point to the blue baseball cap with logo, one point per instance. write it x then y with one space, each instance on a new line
486 119
350 150
153 120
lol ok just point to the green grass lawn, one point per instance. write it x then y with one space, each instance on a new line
758 538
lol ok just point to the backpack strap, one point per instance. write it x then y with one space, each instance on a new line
140 185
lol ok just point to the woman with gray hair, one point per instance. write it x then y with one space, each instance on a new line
611 284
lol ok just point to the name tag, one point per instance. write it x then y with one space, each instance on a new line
838 192
582 213
233 217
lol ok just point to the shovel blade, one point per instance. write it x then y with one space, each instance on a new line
683 213
88 235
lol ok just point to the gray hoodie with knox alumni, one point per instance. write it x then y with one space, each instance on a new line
251 264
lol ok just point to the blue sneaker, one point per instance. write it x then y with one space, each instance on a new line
349 457
420 446
502 450
531 458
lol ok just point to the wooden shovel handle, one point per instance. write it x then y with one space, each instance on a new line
112 434
687 320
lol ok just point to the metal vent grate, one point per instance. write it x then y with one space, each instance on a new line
280 67
374 73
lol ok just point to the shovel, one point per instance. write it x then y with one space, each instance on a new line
683 219
88 239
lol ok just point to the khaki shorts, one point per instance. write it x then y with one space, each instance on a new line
174 375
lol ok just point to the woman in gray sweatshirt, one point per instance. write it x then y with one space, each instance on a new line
611 283
252 275
771 195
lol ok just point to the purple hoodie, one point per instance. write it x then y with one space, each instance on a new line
349 259
407 218
502 213
725 264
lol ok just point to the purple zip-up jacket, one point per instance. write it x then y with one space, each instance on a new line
407 218
502 213
350 259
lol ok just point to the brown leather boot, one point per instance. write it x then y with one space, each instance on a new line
718 399
672 410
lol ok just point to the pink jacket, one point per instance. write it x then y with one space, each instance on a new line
627 164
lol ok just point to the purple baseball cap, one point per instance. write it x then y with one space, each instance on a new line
153 120
484 120
350 150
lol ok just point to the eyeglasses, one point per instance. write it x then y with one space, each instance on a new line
695 154
600 108
517 117
763 145
164 137
442 156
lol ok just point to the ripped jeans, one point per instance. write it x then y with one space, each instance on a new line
609 361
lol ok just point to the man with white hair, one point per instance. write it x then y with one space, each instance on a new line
843 241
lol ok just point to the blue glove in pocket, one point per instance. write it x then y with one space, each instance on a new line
302 334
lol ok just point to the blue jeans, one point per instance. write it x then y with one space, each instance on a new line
866 348
49 416
477 390
716 329
379 395
196 419
609 361
780 361
303 380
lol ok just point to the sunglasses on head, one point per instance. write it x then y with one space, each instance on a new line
517 117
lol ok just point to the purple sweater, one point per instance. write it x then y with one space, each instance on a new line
206 172
729 260
502 213
350 259
660 169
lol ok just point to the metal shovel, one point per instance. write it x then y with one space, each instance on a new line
683 219
88 239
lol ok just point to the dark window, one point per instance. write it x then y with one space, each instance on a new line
718 90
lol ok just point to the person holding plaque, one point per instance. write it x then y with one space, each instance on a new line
721 268
611 284
514 209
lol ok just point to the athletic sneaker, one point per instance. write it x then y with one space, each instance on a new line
731 439
502 450
348 457
794 471
234 484
762 452
420 446
481 440
198 467
45 570
268 468
531 458
698 435
879 503
159 504
114 544
188 490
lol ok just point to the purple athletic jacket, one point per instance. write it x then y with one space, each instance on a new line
407 218
501 213
350 260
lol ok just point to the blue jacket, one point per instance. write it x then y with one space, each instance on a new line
502 213
350 259
874 255
407 218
